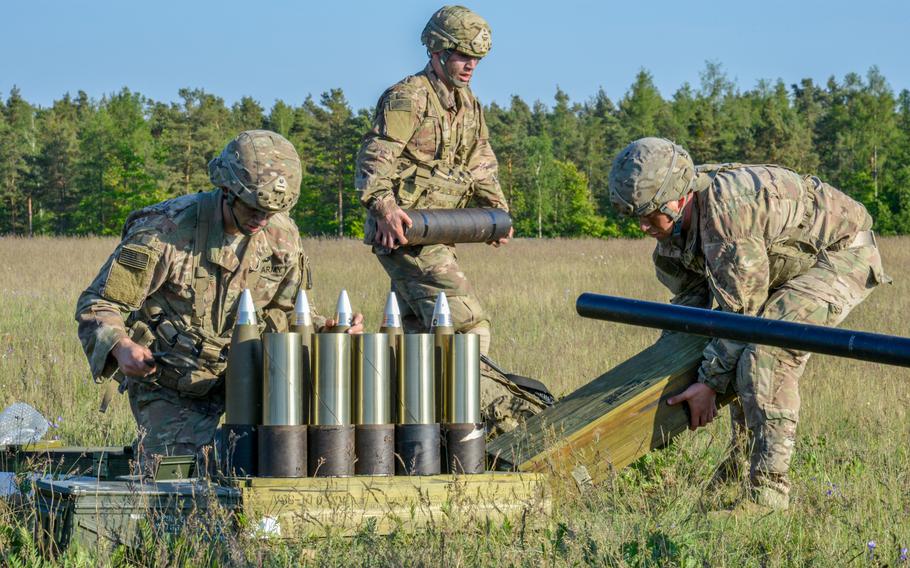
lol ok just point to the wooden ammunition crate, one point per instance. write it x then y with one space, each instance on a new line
295 507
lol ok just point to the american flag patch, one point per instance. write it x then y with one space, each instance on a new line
134 257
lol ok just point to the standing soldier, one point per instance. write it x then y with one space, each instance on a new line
173 284
429 148
761 241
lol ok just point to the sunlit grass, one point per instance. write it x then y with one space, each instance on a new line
851 473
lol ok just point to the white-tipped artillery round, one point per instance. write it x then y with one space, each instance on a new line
442 317
391 318
246 313
302 317
344 315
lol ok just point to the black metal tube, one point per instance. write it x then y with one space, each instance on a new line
239 448
330 451
875 347
418 449
472 225
283 451
465 448
374 447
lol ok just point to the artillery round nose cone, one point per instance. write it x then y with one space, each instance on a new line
246 313
302 310
442 317
344 315
392 315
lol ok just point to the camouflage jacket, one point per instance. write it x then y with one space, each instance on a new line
752 229
428 148
146 289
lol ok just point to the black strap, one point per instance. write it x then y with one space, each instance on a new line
526 384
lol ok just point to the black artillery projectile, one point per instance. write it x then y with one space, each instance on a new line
472 225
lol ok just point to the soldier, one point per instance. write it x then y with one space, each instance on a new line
760 240
173 284
429 148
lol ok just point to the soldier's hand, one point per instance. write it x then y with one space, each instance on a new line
356 325
390 228
702 407
503 240
133 359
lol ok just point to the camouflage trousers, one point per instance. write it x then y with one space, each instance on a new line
767 378
170 424
418 275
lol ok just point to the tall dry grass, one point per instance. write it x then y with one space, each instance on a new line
851 473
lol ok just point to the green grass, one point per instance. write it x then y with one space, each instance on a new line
851 473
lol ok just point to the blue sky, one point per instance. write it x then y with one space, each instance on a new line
273 49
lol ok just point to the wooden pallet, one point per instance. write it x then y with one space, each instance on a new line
614 419
296 507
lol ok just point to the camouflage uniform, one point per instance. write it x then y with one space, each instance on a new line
765 241
149 290
429 148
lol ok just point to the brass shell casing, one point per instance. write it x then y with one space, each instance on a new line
416 382
372 394
331 371
283 392
443 343
462 395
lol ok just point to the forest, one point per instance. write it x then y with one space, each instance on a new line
79 166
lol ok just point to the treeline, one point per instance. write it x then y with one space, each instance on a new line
79 166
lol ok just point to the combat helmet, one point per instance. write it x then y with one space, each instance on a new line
261 169
457 28
649 173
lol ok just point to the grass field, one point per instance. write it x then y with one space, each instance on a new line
851 473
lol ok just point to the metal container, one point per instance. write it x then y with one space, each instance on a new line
416 382
331 401
374 449
469 225
372 379
283 390
417 449
443 343
330 451
462 396
464 448
239 450
396 370
243 393
283 451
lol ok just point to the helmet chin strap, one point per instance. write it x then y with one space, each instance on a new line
443 59
231 198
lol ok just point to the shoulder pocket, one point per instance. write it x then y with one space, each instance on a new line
398 119
130 275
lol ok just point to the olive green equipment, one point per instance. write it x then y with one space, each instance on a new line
443 332
391 325
243 393
243 376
